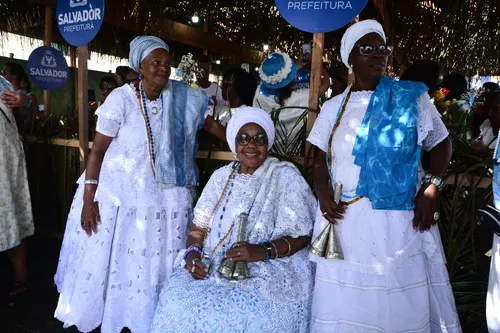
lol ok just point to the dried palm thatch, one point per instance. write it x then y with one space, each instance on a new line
464 35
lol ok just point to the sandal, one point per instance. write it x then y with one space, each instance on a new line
19 288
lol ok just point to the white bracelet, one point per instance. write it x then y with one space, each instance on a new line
91 182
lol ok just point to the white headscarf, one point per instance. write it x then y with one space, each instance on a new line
141 47
245 116
355 33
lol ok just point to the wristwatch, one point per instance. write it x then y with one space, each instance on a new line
431 179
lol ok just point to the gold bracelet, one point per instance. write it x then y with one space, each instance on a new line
289 247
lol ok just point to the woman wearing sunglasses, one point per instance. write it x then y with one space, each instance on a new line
393 276
280 208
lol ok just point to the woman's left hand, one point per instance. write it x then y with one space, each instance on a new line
246 252
426 207
14 99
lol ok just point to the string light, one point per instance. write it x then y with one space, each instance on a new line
266 47
195 19
217 62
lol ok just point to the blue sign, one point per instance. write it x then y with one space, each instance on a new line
48 68
320 16
79 21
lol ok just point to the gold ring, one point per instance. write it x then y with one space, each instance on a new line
325 214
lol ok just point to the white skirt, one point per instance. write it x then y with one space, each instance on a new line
113 278
392 280
493 298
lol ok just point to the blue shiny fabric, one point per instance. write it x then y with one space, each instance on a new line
386 147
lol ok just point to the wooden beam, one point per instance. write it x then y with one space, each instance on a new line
316 68
47 41
175 31
74 70
83 105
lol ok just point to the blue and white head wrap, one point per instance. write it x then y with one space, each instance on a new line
141 47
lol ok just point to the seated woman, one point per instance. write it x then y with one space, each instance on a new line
280 208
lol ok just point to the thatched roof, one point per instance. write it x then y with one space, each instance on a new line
464 35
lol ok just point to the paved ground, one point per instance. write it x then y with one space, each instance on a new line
33 311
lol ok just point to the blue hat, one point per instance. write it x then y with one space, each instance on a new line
277 71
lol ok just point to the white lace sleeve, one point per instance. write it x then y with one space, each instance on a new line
431 129
323 125
111 113
211 193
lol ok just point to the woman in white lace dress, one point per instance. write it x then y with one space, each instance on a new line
129 218
280 208
393 276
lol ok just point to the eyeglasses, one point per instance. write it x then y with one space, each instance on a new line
244 139
368 50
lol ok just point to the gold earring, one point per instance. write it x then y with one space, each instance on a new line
351 78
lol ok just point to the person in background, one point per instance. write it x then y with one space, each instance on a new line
493 297
339 83
480 111
107 85
125 74
283 84
16 218
392 277
426 71
212 89
238 88
455 85
489 129
18 100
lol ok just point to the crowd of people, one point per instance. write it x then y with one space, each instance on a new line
140 252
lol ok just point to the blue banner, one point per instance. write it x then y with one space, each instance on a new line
48 68
79 21
320 16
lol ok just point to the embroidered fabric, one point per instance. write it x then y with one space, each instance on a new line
113 278
277 296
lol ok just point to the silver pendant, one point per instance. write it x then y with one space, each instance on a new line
154 110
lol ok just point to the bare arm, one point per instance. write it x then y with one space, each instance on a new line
426 201
90 211
215 128
323 190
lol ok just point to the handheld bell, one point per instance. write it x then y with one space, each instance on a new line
318 247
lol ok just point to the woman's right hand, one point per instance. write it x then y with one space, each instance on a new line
199 272
90 212
330 210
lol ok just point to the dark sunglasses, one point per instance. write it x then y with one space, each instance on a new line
368 50
244 139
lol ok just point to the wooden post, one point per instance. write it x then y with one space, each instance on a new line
47 40
316 68
74 70
83 105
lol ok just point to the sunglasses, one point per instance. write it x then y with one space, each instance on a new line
244 139
368 50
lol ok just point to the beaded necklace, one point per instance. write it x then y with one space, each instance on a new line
141 95
229 185
329 155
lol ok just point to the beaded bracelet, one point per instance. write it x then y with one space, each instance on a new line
275 250
190 249
289 247
268 255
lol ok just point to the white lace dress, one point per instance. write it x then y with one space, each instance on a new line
393 278
276 299
113 278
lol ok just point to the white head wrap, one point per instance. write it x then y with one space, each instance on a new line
141 47
355 33
245 116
